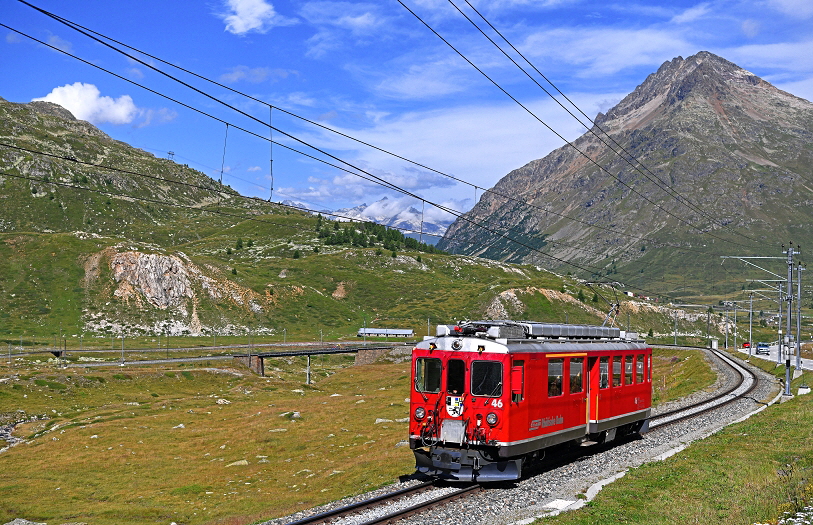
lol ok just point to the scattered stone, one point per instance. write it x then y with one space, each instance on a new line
381 420
278 430
402 420
298 391
222 401
335 395
360 401
402 443
240 463
21 521
94 436
179 426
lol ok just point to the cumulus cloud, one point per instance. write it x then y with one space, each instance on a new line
244 16
86 103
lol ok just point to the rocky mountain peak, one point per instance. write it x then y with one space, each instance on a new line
731 144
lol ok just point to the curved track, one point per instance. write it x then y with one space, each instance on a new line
747 382
394 506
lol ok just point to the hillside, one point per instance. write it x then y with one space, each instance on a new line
153 247
736 147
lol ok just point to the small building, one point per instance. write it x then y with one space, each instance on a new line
385 332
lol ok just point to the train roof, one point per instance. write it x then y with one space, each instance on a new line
530 336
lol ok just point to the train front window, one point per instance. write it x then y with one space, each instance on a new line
427 374
455 376
486 378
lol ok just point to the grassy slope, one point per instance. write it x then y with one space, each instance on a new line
736 476
43 292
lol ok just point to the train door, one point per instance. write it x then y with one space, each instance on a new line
577 390
592 383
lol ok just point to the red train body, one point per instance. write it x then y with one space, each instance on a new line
487 396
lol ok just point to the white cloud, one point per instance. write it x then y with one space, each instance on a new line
60 43
86 103
254 75
788 56
750 28
692 14
254 168
13 38
252 15
479 144
335 20
606 51
795 8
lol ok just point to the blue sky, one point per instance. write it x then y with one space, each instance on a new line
373 71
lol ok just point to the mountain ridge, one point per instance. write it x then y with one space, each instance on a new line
726 140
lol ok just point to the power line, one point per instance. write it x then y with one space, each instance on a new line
654 178
381 181
569 143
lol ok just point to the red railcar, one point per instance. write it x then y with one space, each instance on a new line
487 396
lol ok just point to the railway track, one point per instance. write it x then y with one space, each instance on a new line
392 507
744 386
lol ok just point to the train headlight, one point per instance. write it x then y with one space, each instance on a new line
420 413
491 418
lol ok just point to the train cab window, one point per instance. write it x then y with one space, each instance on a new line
576 368
427 374
627 369
639 369
455 376
555 367
517 380
486 378
617 370
604 372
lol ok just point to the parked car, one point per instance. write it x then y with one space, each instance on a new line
763 348
746 345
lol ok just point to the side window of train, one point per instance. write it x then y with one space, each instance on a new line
455 376
639 368
486 378
427 374
576 370
617 370
517 380
627 369
555 367
604 372
649 366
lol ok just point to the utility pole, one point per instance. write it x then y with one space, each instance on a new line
788 337
779 324
675 327
750 322
735 326
799 269
726 326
